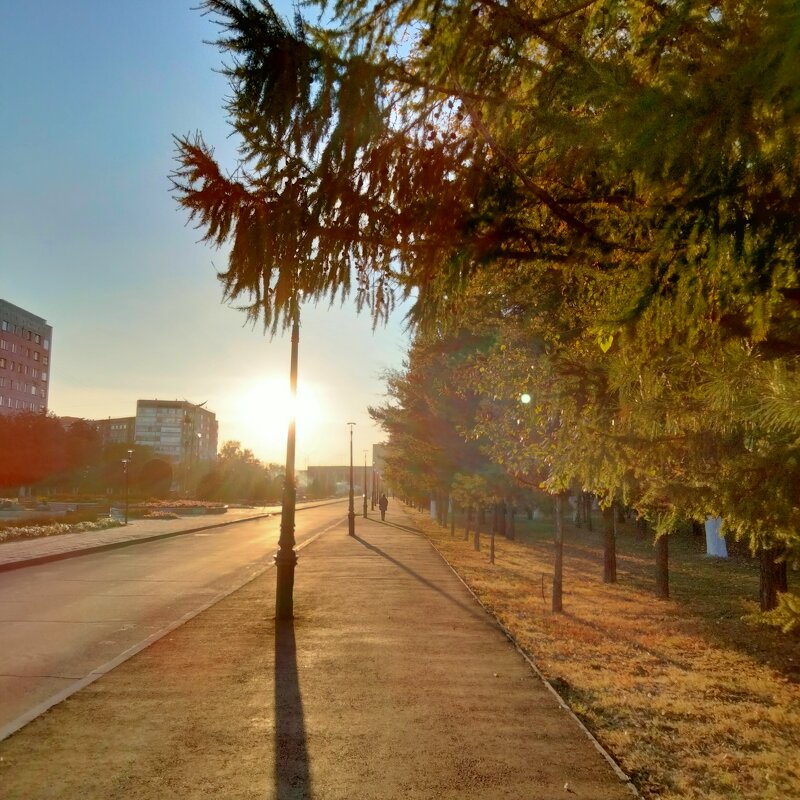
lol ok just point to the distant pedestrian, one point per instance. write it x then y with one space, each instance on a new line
383 504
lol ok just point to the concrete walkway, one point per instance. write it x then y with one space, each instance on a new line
391 682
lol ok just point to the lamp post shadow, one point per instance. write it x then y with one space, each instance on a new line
292 776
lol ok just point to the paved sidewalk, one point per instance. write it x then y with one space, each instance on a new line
49 548
391 682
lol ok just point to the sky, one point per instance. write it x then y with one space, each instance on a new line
90 238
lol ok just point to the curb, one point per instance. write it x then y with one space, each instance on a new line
618 771
50 557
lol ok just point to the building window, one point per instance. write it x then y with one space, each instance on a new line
3 344
28 335
2 363
44 377
35 355
4 325
45 360
37 338
46 344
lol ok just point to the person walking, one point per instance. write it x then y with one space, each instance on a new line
383 504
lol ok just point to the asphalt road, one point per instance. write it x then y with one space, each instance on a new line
65 623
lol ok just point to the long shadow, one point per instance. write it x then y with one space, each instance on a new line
476 612
292 778
416 531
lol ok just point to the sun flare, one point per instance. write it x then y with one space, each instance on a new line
266 406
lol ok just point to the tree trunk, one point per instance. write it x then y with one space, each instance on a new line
511 527
558 566
662 567
452 518
578 515
529 512
467 524
771 577
587 503
609 546
476 542
502 529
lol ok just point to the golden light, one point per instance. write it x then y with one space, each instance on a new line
265 408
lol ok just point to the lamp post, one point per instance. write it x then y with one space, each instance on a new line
351 514
286 558
365 484
374 477
125 463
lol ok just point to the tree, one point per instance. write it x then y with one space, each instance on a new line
238 476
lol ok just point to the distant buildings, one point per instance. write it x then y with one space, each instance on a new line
330 480
116 430
25 341
180 431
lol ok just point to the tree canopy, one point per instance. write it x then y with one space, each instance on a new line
604 193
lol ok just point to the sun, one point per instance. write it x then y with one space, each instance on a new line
265 408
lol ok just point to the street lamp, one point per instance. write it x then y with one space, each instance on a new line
286 558
365 484
125 463
351 514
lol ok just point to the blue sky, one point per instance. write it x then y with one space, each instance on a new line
91 240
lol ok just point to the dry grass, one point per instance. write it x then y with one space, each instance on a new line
691 699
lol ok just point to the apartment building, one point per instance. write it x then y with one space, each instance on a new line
116 430
177 429
25 349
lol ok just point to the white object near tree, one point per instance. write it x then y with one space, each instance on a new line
715 544
433 509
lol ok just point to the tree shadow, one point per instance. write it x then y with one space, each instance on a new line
408 528
476 611
292 778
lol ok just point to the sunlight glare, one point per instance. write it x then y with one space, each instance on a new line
266 407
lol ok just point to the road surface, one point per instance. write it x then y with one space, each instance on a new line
65 623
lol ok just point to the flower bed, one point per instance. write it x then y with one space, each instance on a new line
36 530
178 507
160 515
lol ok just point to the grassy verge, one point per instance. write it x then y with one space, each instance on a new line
691 699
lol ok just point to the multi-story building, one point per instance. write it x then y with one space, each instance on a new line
177 429
116 430
25 342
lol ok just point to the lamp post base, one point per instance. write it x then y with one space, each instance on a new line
351 523
284 569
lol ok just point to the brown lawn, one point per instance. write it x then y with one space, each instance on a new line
691 698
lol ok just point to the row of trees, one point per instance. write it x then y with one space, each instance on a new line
69 456
54 454
593 205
